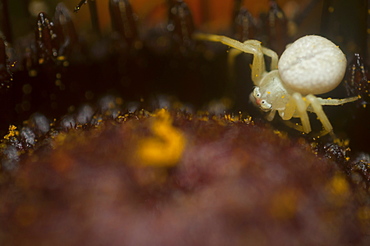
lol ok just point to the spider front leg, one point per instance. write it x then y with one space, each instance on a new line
231 57
301 110
274 58
233 53
297 107
250 46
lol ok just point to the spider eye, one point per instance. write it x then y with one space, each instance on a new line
257 92
265 105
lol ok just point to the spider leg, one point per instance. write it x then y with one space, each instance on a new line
271 115
231 56
335 102
296 107
233 53
274 58
301 110
317 109
289 110
250 46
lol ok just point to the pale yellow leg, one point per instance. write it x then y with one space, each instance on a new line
335 102
274 58
296 107
289 110
250 46
317 109
233 53
271 115
302 111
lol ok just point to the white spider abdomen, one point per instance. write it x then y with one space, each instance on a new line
312 65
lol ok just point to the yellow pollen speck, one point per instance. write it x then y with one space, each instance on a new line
61 58
165 148
282 96
269 92
12 132
342 142
331 9
280 134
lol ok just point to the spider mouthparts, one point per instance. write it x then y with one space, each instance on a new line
255 101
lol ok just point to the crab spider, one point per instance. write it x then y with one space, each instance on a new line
309 66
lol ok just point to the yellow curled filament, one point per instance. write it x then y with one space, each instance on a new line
165 147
